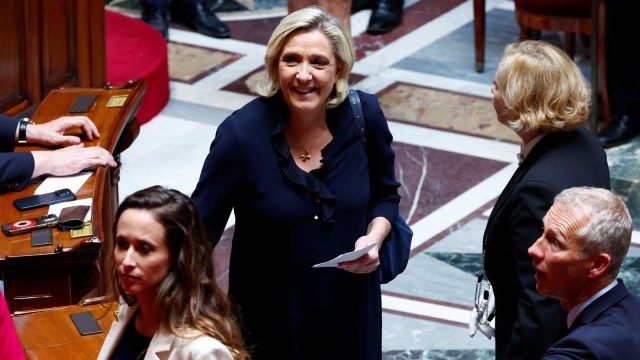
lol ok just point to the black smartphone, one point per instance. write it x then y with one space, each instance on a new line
24 226
85 323
41 237
82 104
36 201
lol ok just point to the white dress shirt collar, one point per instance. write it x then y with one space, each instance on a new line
526 149
576 310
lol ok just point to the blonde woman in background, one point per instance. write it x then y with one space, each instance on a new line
540 94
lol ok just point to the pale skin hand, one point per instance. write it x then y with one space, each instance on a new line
52 132
378 230
70 160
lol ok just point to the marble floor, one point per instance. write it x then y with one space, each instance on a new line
453 159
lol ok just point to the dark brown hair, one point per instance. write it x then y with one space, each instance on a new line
188 295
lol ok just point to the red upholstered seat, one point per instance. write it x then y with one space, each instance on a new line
572 8
569 16
137 51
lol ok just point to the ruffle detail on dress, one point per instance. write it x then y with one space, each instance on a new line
301 178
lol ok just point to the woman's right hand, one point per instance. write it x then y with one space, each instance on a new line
366 263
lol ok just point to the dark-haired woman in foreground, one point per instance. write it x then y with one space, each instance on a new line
173 308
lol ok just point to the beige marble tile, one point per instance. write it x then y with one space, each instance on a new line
443 110
188 63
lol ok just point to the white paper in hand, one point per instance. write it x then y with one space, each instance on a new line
345 257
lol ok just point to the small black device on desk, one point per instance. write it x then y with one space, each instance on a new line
36 201
82 104
41 237
85 323
24 226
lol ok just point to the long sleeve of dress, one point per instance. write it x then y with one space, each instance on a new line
222 167
384 186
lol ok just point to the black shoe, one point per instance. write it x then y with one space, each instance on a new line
199 18
620 130
156 16
359 5
386 16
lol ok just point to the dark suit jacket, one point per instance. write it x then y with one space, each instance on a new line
609 328
15 168
527 323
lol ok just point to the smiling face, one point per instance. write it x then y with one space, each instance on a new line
141 253
307 71
561 268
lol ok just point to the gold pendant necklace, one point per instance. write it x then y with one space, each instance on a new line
305 155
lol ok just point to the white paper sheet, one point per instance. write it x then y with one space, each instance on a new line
57 208
345 257
71 182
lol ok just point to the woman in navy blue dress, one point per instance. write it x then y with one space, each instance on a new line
293 167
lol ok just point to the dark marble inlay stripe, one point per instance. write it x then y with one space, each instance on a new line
414 16
423 317
466 262
470 263
425 300
438 355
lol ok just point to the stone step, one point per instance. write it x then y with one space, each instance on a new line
624 167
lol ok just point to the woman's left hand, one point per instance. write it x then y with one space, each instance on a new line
366 263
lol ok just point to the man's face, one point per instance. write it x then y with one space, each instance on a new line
561 268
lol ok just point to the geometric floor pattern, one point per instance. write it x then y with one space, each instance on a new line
453 157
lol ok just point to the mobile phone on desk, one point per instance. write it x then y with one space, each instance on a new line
24 226
36 201
41 237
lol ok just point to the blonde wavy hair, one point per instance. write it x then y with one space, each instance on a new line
312 18
541 83
188 295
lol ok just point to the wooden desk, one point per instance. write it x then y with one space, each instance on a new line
70 269
50 333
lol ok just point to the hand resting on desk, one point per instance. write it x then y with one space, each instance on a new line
53 132
70 160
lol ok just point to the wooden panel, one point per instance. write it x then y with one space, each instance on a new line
70 269
11 52
58 44
46 45
50 334
36 291
91 44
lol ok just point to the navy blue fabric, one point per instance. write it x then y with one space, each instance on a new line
132 344
527 323
165 3
16 168
287 220
609 328
396 248
623 72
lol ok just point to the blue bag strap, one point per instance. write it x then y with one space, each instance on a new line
356 107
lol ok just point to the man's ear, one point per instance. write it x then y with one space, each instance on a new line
600 264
